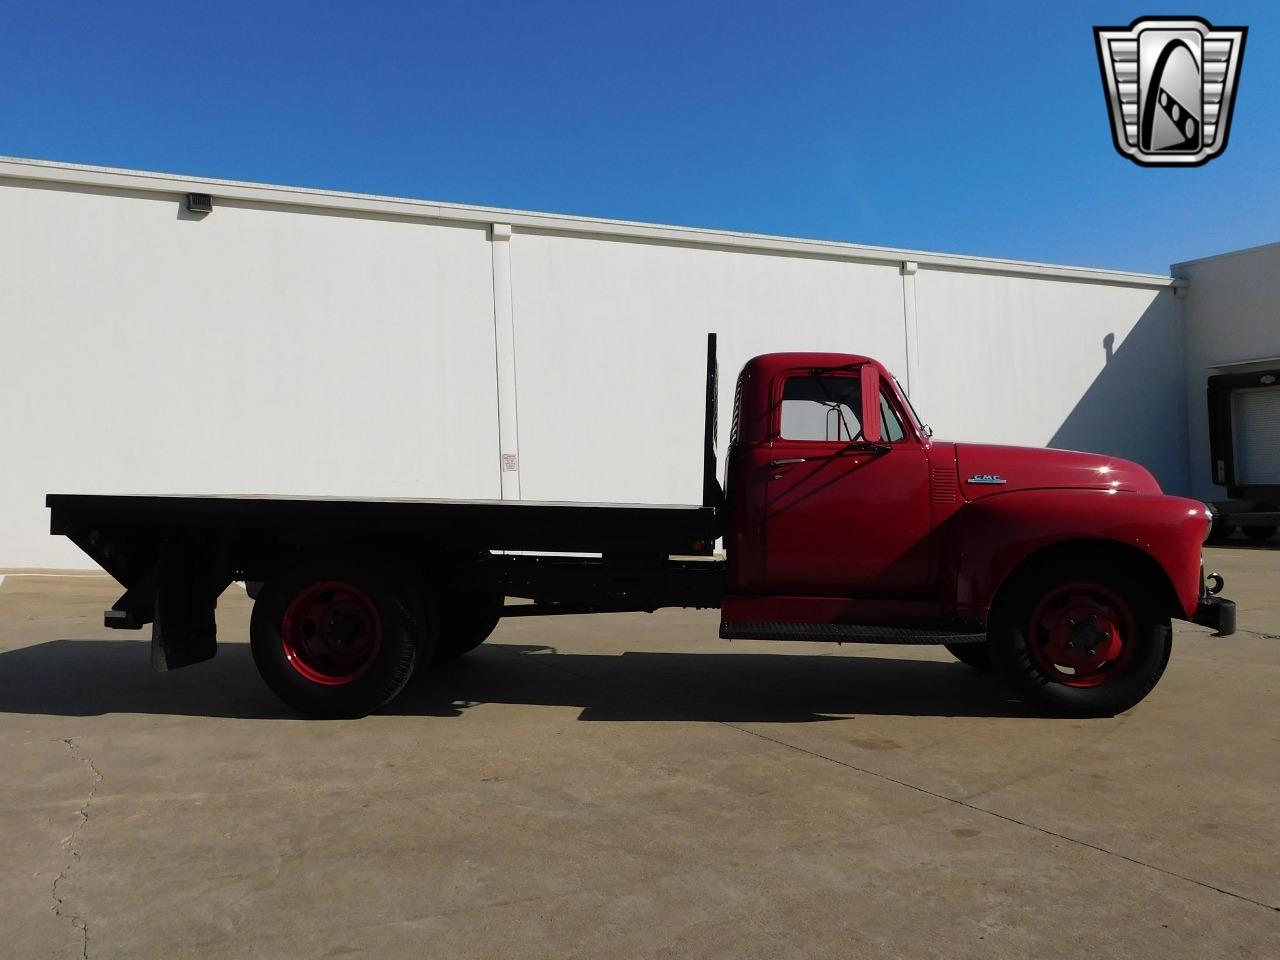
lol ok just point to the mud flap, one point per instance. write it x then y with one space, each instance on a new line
189 579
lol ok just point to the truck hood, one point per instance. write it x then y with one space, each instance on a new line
987 469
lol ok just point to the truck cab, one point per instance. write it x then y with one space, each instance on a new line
846 520
821 504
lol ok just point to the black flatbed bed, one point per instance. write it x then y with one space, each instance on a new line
614 528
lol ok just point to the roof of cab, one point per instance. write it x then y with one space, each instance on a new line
753 403
770 364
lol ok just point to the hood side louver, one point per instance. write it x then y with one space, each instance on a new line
943 484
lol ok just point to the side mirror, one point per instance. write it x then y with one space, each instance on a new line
870 417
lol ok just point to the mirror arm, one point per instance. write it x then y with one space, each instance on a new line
865 446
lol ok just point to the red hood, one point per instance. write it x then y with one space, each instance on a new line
984 466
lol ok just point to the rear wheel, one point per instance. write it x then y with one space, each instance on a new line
976 655
1087 639
338 640
1260 534
466 621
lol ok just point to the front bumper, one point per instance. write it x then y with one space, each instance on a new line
1216 612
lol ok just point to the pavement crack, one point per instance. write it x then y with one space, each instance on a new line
69 845
1255 633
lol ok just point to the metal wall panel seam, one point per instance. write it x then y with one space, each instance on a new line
505 363
910 332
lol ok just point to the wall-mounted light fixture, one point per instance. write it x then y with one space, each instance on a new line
199 202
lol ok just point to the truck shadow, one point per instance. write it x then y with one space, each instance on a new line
711 687
80 678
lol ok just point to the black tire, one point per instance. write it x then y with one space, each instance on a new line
1020 649
1259 534
388 631
976 655
466 621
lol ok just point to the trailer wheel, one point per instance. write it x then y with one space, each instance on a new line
976 655
1259 534
466 621
1085 639
338 640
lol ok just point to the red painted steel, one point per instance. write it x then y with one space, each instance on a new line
331 633
917 530
988 539
870 401
1031 468
1082 635
871 611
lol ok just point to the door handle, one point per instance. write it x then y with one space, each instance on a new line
781 463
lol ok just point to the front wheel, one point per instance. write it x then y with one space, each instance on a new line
1088 642
338 640
1259 534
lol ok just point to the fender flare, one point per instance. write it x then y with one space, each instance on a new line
988 539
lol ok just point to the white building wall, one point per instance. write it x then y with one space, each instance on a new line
611 348
1232 309
303 342
1079 366
259 350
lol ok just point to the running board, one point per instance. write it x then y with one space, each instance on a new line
844 633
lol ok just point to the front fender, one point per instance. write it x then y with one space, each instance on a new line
988 539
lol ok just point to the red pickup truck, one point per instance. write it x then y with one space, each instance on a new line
842 519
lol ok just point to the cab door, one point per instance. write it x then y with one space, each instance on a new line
843 517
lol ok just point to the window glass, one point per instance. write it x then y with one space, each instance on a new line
820 408
890 426
914 412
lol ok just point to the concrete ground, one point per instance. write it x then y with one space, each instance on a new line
630 786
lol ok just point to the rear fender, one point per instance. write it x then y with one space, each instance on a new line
987 540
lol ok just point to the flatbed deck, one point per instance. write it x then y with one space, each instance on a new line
626 528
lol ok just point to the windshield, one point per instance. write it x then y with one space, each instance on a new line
912 407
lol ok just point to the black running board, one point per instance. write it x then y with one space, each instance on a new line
844 633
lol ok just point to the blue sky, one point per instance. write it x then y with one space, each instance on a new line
964 127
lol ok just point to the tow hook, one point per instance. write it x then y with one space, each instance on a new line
1215 611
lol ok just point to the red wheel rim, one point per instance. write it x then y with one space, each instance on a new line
331 633
1082 635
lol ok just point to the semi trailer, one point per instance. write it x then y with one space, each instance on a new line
842 519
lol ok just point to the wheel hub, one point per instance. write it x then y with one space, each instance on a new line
331 633
344 629
1082 634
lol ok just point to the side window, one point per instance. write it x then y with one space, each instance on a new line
890 425
820 408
